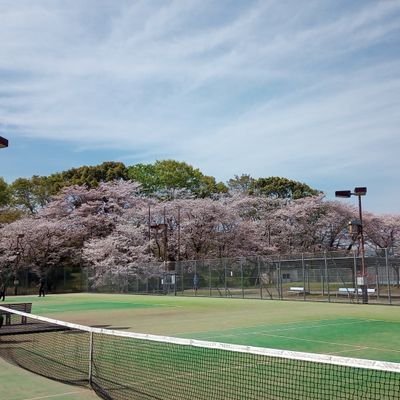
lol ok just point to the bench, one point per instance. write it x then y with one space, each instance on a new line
297 289
352 291
24 307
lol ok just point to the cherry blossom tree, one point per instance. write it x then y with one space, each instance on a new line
383 233
114 227
36 244
311 224
123 253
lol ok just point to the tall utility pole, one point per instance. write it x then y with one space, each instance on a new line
161 228
362 278
179 233
149 225
3 144
165 239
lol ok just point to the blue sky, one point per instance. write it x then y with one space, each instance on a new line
308 90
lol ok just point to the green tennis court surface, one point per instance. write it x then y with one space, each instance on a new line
17 384
339 329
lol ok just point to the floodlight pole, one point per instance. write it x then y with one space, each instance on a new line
3 142
364 287
361 280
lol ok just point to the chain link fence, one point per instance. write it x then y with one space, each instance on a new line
66 279
330 277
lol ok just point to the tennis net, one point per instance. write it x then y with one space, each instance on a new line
123 365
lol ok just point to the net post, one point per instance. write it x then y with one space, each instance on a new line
90 358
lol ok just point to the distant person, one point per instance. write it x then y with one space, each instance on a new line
196 282
16 284
3 289
42 284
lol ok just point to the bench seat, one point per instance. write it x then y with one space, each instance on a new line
352 291
297 289
24 307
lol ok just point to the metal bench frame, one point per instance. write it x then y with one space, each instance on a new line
24 307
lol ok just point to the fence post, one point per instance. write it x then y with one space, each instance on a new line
388 276
355 276
209 279
280 280
241 276
85 278
327 277
304 276
195 274
225 282
182 277
259 276
377 283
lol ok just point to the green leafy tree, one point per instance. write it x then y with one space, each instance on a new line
170 178
7 213
281 188
91 176
29 195
146 175
4 193
241 184
209 187
23 195
10 215
174 175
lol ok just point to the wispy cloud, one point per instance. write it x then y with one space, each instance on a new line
309 90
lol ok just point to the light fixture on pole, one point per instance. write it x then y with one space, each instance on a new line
358 225
3 142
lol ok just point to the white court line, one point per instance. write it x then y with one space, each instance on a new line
269 333
352 321
332 343
348 350
309 327
51 396
283 329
